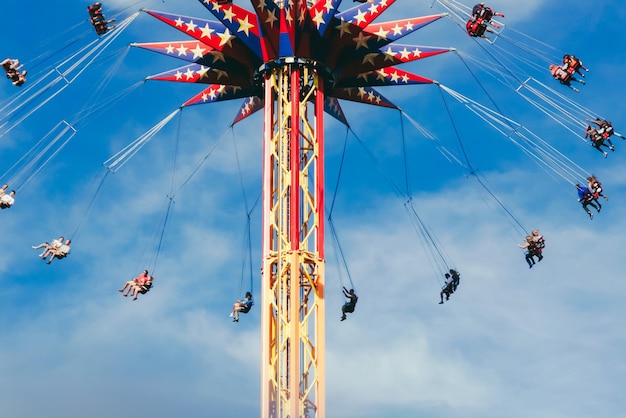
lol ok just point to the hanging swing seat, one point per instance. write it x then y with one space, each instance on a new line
246 308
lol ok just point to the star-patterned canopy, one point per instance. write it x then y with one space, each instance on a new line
356 53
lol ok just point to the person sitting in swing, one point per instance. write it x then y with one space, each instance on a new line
97 19
597 140
11 64
531 251
349 306
586 199
563 76
12 69
61 252
540 244
480 11
560 74
456 278
477 29
244 305
49 248
476 26
18 79
141 286
448 288
137 281
595 187
605 128
7 200
572 65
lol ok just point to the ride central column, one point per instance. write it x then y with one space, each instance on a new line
293 333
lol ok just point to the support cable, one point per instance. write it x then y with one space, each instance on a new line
472 169
98 187
337 245
89 54
248 233
437 259
544 154
199 165
117 161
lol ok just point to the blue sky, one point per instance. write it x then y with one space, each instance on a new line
514 342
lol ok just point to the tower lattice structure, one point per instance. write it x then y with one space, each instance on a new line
293 243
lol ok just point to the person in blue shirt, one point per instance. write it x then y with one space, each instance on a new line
586 199
242 306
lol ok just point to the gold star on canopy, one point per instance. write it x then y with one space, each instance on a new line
191 27
271 18
381 33
189 74
217 56
343 27
319 18
202 72
206 31
361 40
397 30
220 73
228 14
182 50
226 38
369 58
360 17
198 52
245 26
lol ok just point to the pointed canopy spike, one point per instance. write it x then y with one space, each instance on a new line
367 95
333 108
390 76
388 56
387 32
191 51
210 33
241 23
363 14
219 93
249 106
197 73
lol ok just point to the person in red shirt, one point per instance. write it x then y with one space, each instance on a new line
142 285
128 286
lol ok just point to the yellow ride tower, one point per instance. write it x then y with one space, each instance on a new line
292 376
